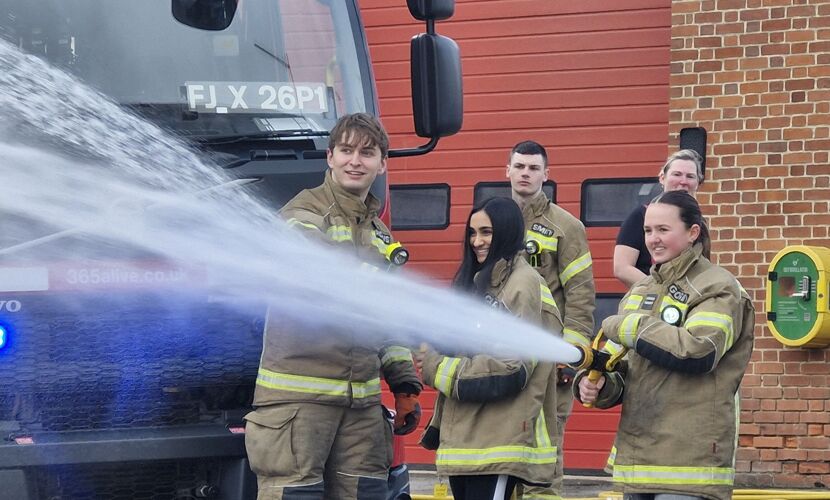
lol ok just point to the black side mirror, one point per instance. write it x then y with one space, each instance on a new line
212 15
437 102
437 96
437 10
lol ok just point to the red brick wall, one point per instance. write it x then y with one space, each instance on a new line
756 75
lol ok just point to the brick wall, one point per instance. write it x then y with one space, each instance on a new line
756 75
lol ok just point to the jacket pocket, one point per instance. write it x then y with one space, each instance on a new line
269 441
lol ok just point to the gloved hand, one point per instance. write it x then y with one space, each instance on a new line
407 413
564 374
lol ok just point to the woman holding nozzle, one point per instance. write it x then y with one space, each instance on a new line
495 417
688 328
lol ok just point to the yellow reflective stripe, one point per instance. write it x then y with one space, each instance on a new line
542 436
633 302
395 354
611 457
628 329
655 474
340 233
495 455
612 347
300 383
668 301
379 244
547 297
722 322
573 337
575 267
540 496
444 375
294 222
366 389
546 243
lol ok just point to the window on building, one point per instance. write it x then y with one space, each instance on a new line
607 202
485 190
420 206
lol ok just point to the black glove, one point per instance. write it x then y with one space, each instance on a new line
564 374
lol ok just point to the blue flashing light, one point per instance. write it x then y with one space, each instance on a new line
3 335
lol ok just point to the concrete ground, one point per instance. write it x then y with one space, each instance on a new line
585 487
423 482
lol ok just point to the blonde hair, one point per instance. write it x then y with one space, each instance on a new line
685 154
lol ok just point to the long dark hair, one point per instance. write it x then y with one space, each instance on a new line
690 214
508 240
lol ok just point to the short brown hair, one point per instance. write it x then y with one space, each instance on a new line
361 127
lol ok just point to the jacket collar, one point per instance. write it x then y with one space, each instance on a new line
536 206
502 270
351 205
678 266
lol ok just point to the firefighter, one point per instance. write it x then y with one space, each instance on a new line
557 248
495 420
688 328
682 171
318 429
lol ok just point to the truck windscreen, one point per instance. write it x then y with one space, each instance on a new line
279 65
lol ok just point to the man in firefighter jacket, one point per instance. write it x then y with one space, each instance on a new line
318 429
557 248
688 328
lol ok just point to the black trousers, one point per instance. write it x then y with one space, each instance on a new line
486 487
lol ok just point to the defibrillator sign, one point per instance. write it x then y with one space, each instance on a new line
256 97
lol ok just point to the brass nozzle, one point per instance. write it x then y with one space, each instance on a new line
586 359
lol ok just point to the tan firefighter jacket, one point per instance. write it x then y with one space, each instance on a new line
689 330
564 261
332 367
496 415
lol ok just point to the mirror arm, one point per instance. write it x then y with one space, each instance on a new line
420 150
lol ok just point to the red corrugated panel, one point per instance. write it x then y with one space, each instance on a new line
589 80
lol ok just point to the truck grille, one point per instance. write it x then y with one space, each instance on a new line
92 361
161 480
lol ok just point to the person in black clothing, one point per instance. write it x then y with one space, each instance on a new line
682 171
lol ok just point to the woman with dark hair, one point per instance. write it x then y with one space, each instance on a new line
494 417
495 213
688 328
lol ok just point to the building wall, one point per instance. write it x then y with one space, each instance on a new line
589 80
756 75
